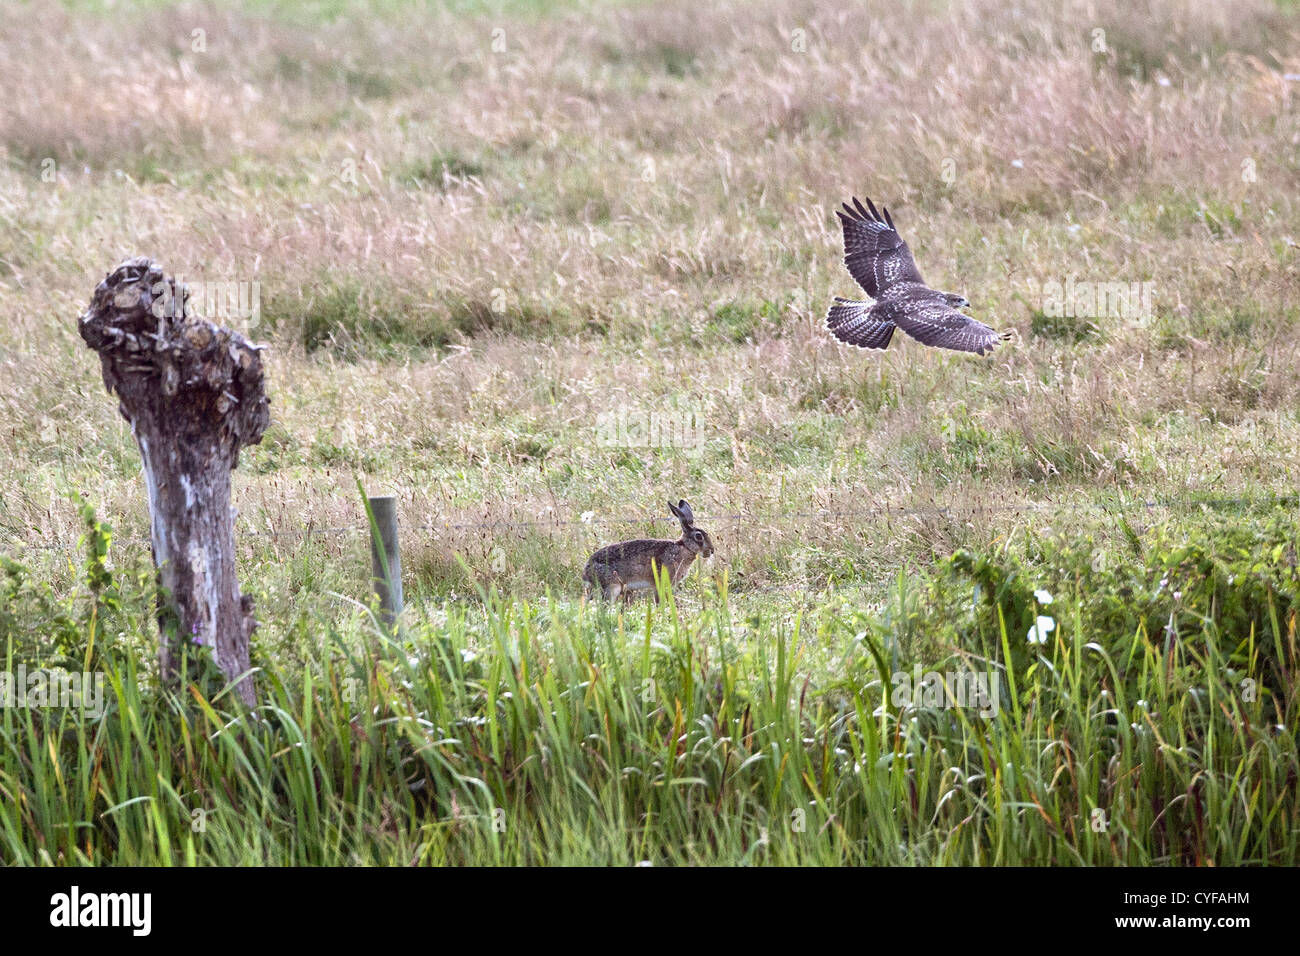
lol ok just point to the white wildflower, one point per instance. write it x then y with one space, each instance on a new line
1042 627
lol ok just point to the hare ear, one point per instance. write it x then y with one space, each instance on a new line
684 512
673 508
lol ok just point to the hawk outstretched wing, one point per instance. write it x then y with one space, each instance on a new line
940 325
876 255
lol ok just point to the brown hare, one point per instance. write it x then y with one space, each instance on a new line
629 567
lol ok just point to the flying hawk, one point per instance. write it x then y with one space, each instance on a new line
878 258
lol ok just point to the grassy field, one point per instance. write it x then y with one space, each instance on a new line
537 268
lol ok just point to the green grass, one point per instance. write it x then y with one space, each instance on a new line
1155 726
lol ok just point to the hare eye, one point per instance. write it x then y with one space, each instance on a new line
699 536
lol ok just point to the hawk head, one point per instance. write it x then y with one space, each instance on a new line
956 301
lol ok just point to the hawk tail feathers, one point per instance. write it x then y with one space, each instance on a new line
851 322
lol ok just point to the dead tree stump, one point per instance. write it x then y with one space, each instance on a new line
193 395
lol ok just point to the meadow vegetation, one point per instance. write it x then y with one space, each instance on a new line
497 247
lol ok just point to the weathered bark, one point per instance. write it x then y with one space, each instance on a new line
193 395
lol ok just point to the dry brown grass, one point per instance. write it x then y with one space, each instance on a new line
616 177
